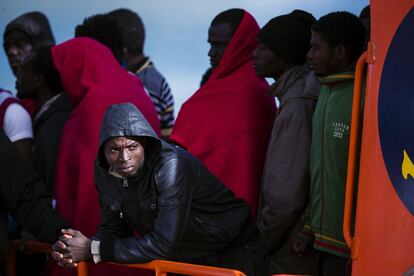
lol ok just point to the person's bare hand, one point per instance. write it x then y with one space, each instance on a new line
78 247
59 252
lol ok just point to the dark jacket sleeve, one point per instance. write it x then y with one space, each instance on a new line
22 193
286 174
174 201
46 145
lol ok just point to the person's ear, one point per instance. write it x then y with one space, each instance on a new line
125 53
39 80
340 52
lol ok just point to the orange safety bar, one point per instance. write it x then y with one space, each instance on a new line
350 179
31 246
161 268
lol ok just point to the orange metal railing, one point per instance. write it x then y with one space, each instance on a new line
161 268
350 179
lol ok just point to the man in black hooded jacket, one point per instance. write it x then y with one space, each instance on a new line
182 212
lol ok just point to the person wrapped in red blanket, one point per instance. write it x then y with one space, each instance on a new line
228 121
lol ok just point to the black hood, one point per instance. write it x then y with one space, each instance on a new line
126 120
36 26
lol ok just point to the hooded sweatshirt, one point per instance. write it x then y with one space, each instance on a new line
35 25
94 80
286 177
181 211
227 122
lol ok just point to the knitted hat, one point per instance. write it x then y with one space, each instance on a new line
36 26
288 35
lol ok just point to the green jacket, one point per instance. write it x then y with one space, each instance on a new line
328 163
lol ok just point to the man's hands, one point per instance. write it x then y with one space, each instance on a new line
71 248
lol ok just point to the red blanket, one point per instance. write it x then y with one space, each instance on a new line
94 80
228 121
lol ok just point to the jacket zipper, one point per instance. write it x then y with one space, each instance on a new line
124 184
322 159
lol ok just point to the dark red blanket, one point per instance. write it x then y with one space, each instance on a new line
228 121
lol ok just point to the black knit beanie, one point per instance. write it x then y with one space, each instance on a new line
36 26
288 35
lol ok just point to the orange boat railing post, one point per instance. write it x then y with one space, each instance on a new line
354 134
82 269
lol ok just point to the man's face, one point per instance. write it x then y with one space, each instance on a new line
17 46
219 37
27 80
125 156
322 58
266 63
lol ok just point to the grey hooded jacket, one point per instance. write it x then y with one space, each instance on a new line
286 173
181 211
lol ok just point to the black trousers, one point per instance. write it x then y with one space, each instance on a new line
331 265
312 262
248 254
